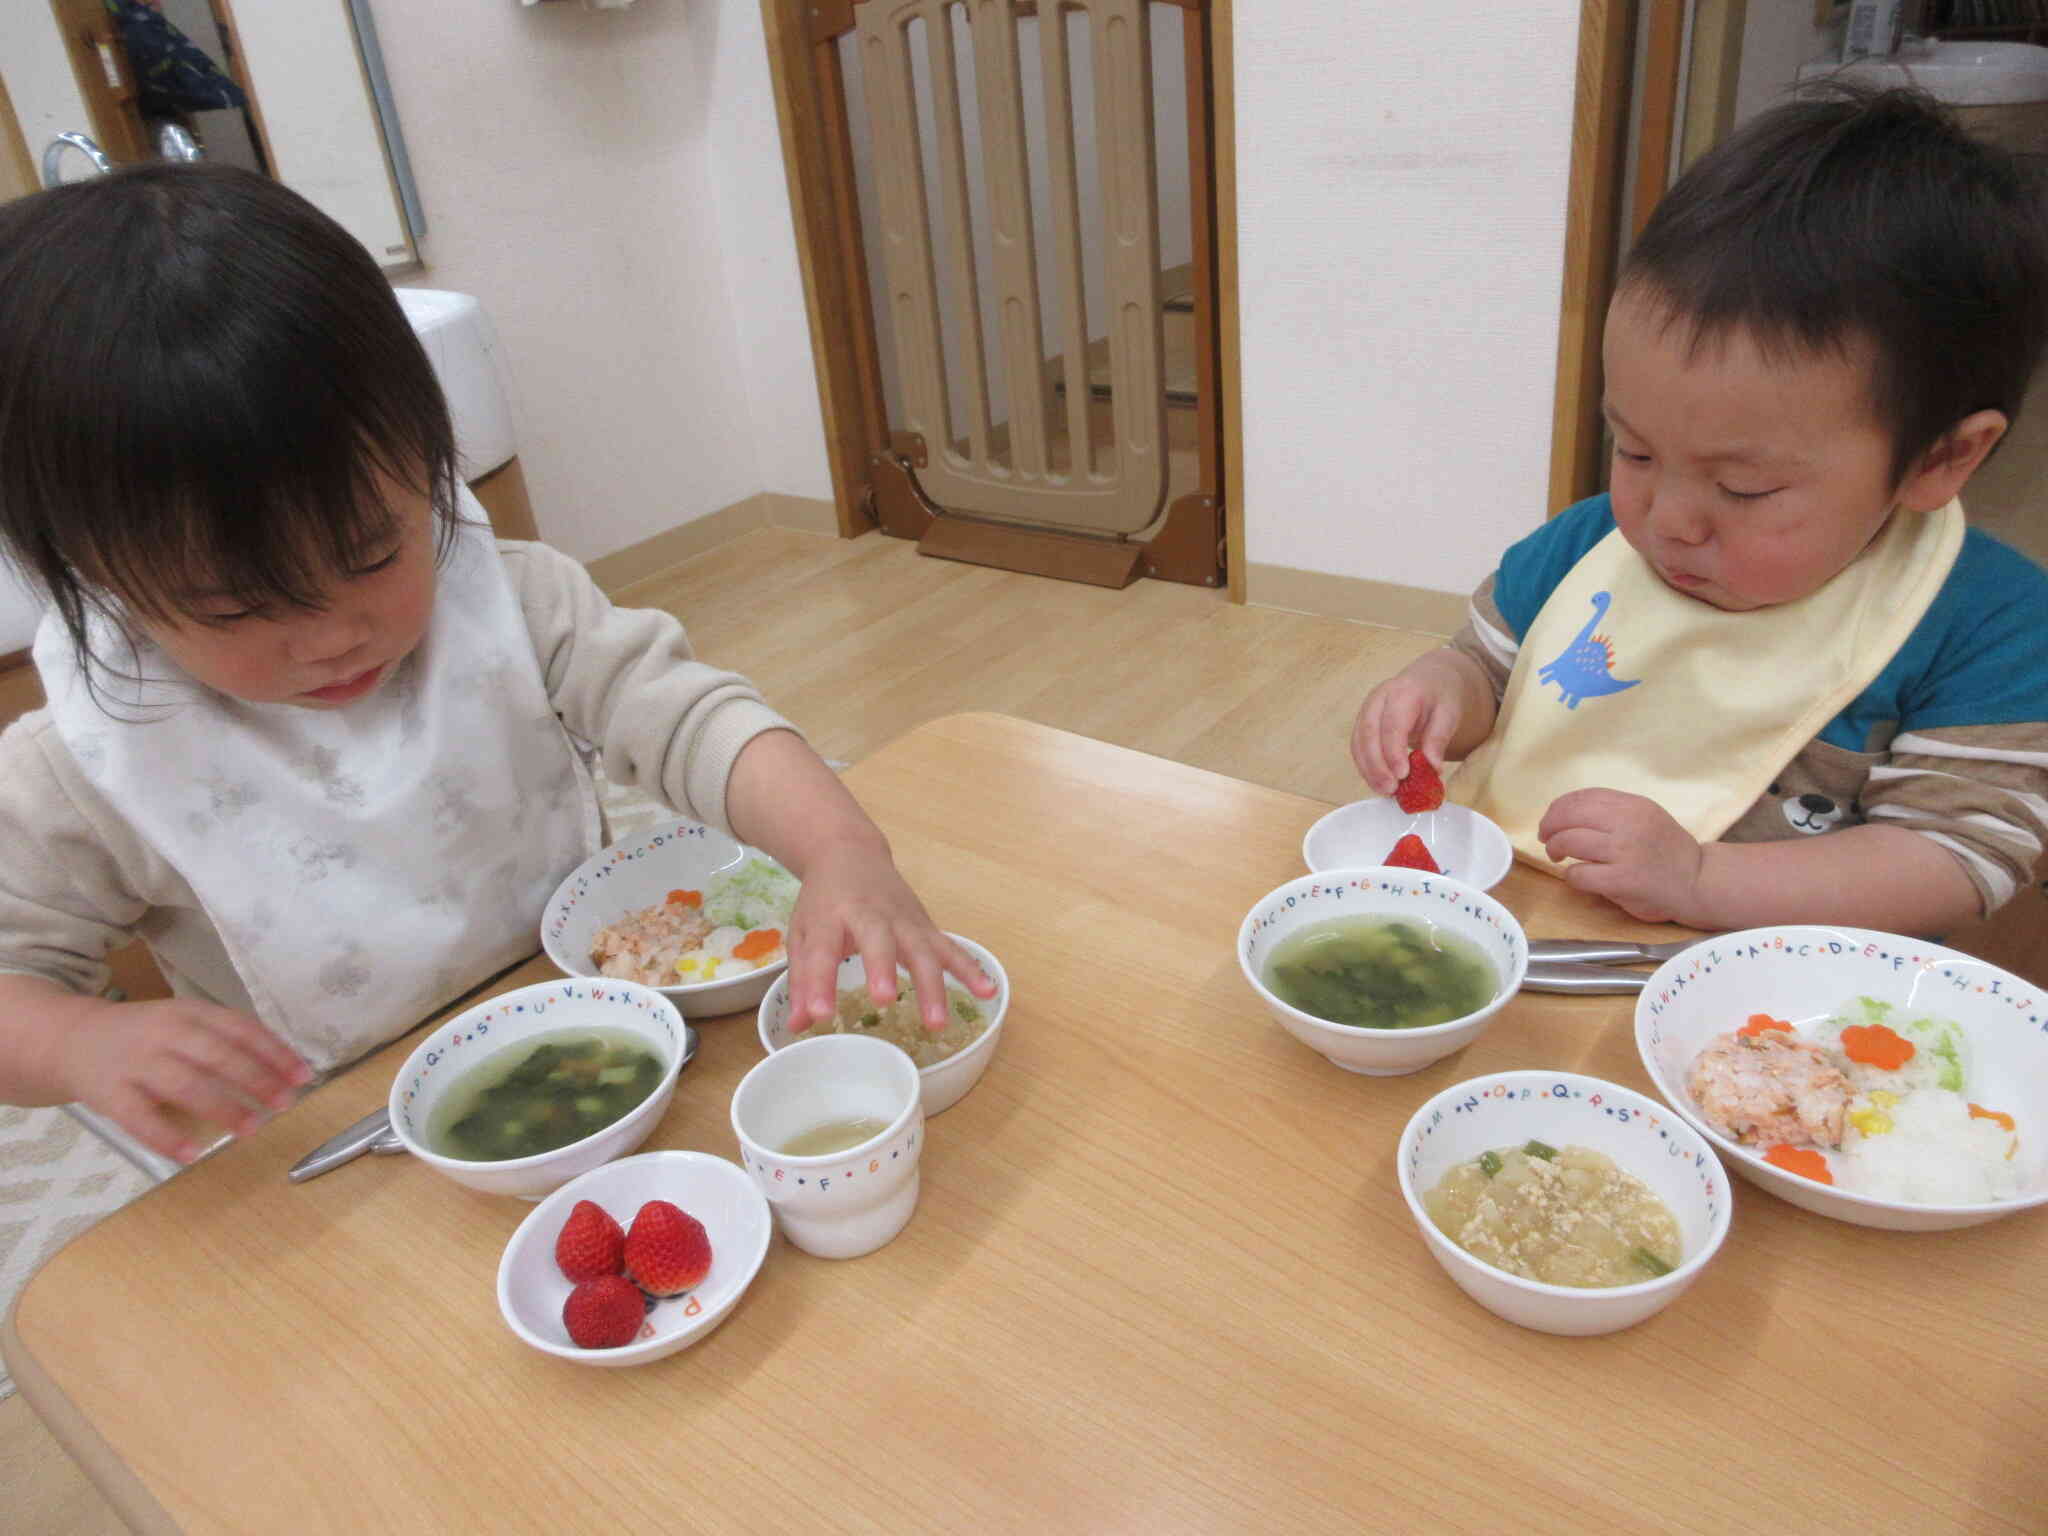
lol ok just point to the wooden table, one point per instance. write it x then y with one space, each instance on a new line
1160 1279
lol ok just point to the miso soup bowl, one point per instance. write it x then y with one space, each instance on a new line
510 1020
942 1084
1438 903
1642 1136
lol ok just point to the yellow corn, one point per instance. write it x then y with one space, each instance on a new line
1872 1121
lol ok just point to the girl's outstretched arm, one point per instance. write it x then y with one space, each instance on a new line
154 1068
782 797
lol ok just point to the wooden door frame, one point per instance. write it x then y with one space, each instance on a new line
817 159
21 165
1685 107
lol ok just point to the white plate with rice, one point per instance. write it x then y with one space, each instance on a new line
1954 1134
737 892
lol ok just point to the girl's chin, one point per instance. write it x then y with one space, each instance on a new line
345 692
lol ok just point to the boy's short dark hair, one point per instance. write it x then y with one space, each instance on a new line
1864 216
202 378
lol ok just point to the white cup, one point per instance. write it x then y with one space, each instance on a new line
837 1205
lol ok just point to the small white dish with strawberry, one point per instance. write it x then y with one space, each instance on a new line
641 1258
1413 828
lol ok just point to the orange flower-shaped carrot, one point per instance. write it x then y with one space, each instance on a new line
687 898
1804 1161
1759 1022
1876 1045
762 941
1997 1117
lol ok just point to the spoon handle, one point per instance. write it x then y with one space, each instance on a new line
1568 976
372 1133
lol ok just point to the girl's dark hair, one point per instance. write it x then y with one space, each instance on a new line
1863 217
202 380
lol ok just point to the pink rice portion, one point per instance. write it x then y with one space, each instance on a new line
644 946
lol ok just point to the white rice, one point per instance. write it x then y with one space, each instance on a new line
1936 1153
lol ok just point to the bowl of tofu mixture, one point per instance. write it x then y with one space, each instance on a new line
532 1088
1560 1202
1382 971
1864 1076
680 907
949 1061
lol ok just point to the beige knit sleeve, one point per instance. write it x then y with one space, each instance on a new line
66 896
624 679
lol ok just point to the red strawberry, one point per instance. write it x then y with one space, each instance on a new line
1422 790
1412 853
667 1250
590 1243
604 1313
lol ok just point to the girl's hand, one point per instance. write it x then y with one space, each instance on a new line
854 902
1630 850
154 1067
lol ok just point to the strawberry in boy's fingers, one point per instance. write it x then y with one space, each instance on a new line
1422 789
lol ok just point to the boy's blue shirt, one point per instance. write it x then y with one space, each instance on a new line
1979 656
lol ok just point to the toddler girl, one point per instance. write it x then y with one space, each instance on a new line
312 733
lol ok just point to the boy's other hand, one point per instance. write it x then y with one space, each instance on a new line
854 901
154 1068
1629 849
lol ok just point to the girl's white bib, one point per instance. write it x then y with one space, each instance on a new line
362 865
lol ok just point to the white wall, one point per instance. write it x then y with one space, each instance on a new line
1776 40
609 184
40 82
1401 198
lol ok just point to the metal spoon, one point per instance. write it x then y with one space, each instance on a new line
1571 976
1607 951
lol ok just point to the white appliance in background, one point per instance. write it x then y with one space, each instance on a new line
459 342
463 347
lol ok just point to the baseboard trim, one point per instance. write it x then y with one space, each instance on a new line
1385 603
767 509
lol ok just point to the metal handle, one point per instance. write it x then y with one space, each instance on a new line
54 152
1570 976
1606 951
372 1133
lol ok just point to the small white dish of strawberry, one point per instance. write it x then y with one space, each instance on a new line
1413 828
634 1260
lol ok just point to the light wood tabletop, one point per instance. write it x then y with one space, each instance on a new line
1160 1278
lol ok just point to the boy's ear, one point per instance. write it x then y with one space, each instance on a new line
1940 474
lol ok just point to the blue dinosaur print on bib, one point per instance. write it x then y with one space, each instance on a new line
1586 668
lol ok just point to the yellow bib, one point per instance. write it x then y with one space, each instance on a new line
1624 683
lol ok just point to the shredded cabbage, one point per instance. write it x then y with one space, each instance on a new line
758 894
